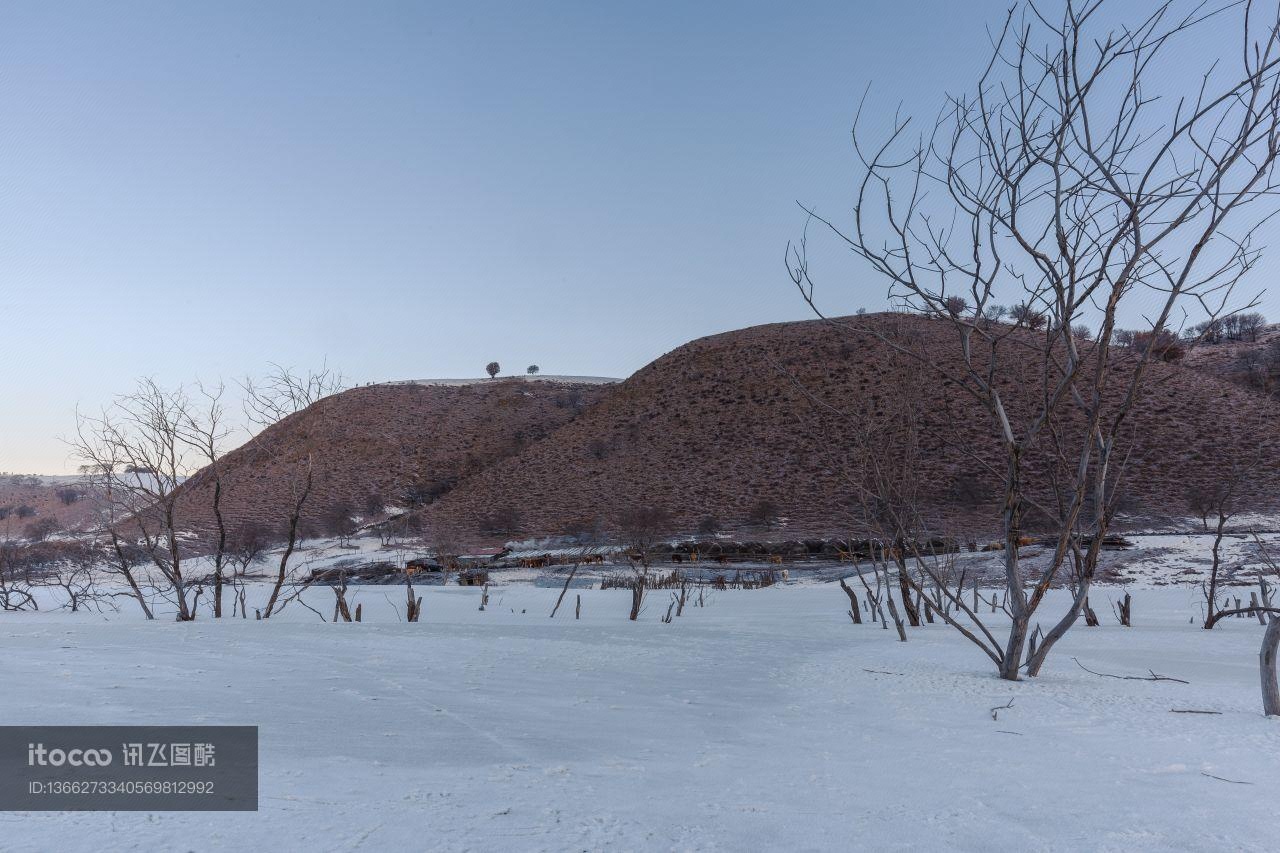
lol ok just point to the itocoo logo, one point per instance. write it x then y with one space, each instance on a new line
38 756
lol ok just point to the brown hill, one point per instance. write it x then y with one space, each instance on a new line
399 442
741 431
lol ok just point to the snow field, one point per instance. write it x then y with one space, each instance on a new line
750 724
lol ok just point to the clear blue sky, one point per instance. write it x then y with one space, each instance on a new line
413 189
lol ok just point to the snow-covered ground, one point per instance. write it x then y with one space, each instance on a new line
763 721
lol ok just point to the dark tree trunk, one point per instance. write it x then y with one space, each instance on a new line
904 586
1267 663
854 610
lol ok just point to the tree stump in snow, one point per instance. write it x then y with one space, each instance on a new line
1124 611
1090 617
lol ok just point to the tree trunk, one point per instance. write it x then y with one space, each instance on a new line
854 610
1036 659
564 589
637 597
1012 663
343 609
128 574
222 546
904 586
1126 611
1090 617
1267 663
413 605
1211 594
1015 591
893 608
292 542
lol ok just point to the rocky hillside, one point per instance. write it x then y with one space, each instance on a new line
752 431
384 446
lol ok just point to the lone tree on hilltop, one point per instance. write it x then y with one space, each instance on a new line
532 369
492 368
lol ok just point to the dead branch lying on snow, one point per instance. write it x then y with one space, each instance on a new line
1151 677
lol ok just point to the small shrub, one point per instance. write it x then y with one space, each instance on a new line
1025 315
764 512
41 529
1164 345
502 521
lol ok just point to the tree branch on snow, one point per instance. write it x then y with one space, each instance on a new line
1151 677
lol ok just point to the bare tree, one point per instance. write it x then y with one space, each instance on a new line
16 586
266 402
578 557
641 528
1251 326
284 391
339 521
139 456
41 529
1063 184
246 545
447 545
374 506
1241 453
68 495
204 428
71 568
300 491
123 557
